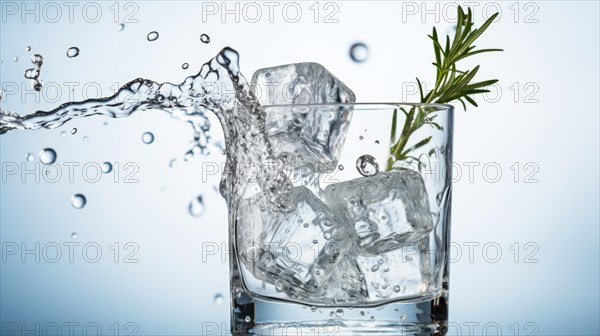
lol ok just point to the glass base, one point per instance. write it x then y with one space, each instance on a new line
252 316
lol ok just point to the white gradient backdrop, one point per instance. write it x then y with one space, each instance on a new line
540 128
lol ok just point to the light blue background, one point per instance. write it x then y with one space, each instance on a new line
550 130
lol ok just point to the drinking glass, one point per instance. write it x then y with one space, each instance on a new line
364 247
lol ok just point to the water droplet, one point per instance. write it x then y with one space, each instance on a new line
339 313
74 235
148 138
28 48
403 317
15 59
218 299
172 163
106 167
73 52
47 156
340 167
30 157
37 59
397 289
313 309
372 318
63 134
78 201
204 38
359 52
367 165
74 130
377 142
86 138
248 319
152 36
120 26
361 137
305 225
185 66
196 207
315 241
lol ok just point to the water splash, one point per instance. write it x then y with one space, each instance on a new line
217 88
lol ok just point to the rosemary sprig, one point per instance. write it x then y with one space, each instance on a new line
451 84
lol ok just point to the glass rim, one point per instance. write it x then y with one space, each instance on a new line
367 104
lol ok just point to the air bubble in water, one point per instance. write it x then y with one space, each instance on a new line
63 134
78 201
367 165
248 319
196 207
74 235
152 36
47 156
340 167
184 66
148 138
74 130
15 59
86 138
106 167
73 52
30 157
218 299
339 313
204 38
359 52
120 26
28 48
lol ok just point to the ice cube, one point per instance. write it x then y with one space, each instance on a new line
300 83
311 136
385 210
345 285
294 250
400 273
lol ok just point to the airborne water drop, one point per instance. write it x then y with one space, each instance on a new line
47 156
73 52
78 201
218 299
359 52
152 36
106 167
148 138
204 38
196 207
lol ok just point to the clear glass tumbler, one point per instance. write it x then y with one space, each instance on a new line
363 248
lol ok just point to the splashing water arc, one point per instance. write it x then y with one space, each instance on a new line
236 107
